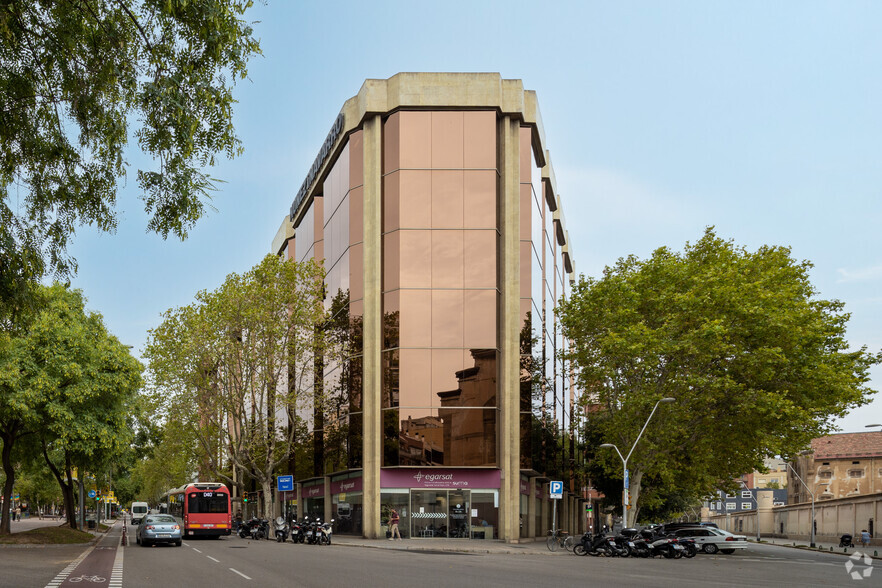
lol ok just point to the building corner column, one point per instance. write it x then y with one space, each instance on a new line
372 336
509 327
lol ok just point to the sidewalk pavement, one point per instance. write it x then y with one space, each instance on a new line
873 551
452 545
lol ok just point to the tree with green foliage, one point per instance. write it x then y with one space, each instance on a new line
75 77
66 383
757 362
238 364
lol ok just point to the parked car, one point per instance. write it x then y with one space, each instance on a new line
158 529
711 539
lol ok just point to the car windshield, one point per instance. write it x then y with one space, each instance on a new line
162 519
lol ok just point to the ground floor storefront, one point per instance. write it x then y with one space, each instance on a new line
455 503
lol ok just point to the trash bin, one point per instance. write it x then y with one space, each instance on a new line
90 524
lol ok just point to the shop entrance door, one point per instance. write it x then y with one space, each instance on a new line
439 513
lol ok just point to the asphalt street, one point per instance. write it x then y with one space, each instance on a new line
351 562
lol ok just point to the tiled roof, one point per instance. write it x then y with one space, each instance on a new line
848 445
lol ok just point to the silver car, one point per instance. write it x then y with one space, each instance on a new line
712 540
159 528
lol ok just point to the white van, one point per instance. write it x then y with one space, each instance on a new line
139 511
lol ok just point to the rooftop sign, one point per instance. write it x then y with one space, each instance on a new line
323 153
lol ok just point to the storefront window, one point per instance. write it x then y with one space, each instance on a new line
400 501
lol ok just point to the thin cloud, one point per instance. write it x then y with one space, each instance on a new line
864 274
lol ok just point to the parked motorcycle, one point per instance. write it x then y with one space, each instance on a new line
311 531
325 531
247 528
297 532
281 529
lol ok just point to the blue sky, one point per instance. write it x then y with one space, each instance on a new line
760 118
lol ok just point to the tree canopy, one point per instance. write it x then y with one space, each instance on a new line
757 362
65 384
235 367
75 79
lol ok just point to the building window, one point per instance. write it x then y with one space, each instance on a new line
778 504
745 506
746 494
774 481
825 475
855 463
825 463
855 473
730 506
719 506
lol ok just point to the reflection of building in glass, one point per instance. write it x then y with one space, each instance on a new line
434 208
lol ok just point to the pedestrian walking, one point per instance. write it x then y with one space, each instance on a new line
394 519
18 513
865 538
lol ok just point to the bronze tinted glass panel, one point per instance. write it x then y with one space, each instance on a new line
391 202
526 268
475 382
526 152
479 256
356 272
447 148
356 159
446 363
416 318
336 231
447 199
390 437
337 283
391 319
391 261
415 146
479 199
336 183
390 365
479 139
528 212
480 319
415 253
356 215
305 232
391 142
447 318
447 259
415 188
415 378
448 437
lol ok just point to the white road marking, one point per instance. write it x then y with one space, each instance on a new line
212 559
240 573
196 550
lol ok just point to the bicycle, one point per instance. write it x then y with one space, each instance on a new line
560 538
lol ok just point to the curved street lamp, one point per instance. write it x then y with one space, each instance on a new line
625 460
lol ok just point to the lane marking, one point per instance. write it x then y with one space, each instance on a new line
196 550
240 573
212 559
63 574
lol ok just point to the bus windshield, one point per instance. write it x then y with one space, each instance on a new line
208 502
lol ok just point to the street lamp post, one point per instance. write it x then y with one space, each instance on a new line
625 461
812 494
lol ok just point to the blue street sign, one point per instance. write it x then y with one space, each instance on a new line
627 479
556 490
91 494
285 483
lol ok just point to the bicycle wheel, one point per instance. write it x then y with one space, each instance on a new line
552 543
569 543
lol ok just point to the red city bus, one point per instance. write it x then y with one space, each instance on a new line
202 509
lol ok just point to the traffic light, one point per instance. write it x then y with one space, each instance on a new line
98 494
245 497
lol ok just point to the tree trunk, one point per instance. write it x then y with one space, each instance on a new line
8 439
266 484
66 488
635 496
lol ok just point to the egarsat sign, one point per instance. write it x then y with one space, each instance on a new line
323 153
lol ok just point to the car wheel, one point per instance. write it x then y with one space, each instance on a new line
727 551
137 540
145 543
178 543
711 548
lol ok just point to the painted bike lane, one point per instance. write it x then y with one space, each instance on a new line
100 565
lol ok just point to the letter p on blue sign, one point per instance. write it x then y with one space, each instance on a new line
556 490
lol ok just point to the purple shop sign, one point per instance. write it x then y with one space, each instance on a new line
314 491
439 478
348 485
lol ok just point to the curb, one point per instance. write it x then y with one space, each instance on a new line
431 549
821 550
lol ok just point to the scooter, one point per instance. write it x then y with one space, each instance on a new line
296 532
325 531
311 528
249 528
281 529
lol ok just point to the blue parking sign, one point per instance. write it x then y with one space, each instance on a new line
285 483
556 490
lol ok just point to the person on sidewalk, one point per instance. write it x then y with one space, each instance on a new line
865 538
394 519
